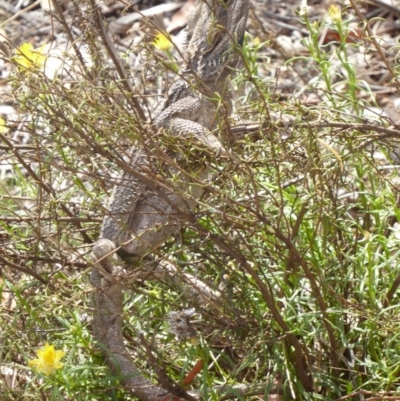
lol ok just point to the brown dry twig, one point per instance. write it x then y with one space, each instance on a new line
378 47
25 270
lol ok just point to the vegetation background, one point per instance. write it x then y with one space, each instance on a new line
300 237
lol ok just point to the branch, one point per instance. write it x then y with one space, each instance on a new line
376 44
47 188
112 52
167 383
67 29
24 270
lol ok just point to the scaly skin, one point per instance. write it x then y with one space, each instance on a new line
142 218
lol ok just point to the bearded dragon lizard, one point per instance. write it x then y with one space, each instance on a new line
142 216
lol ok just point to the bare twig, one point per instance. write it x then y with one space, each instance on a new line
117 62
166 382
46 187
72 219
71 38
24 270
378 47
375 395
18 14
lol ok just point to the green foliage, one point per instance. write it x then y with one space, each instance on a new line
301 235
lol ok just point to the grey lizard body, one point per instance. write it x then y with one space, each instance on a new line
141 218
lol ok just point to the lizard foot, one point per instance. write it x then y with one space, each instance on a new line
107 262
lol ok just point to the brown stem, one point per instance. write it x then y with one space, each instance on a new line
47 188
167 383
24 270
300 363
67 29
378 47
117 63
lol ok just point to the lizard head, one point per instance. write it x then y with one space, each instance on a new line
213 28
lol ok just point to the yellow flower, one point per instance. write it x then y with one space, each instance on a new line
29 58
3 127
335 14
194 341
162 42
48 360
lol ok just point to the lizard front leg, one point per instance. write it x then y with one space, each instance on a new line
191 118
